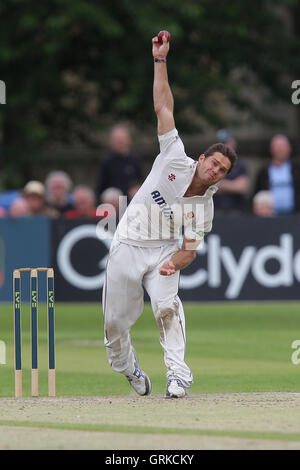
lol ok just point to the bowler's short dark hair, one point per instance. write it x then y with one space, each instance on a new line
225 150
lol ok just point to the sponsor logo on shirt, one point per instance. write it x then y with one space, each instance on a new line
201 233
166 210
171 177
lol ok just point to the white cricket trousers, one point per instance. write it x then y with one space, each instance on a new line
129 269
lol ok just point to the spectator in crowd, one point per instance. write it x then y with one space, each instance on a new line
263 204
120 167
2 212
35 195
281 176
232 192
110 197
7 198
84 204
19 208
58 186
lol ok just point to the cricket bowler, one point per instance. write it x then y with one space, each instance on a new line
146 252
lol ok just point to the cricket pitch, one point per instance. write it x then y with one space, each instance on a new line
210 421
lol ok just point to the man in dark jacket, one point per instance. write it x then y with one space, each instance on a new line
231 196
119 168
281 176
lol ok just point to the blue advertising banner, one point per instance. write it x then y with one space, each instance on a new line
79 260
23 243
246 258
243 258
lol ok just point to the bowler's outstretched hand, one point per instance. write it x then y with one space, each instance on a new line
167 269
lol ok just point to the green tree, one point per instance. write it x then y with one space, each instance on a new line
71 67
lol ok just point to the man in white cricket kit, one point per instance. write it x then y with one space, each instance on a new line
145 251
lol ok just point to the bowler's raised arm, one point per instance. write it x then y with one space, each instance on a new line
162 95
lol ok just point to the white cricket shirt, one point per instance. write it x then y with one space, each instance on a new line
158 211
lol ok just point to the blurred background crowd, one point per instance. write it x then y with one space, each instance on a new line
78 126
273 190
120 173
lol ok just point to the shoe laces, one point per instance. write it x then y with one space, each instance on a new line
137 373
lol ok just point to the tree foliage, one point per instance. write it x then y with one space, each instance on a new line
71 67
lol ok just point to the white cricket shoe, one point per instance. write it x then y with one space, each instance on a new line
139 381
175 389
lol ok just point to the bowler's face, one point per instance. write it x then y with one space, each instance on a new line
213 169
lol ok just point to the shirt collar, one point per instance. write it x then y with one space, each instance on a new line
212 189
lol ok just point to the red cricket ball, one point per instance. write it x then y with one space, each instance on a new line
161 34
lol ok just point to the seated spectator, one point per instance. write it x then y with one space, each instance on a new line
263 204
120 167
281 176
2 212
231 195
7 198
84 202
19 208
109 208
35 195
110 197
58 186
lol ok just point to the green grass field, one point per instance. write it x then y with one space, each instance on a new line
232 348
